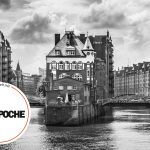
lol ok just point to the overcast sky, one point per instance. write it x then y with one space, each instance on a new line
30 26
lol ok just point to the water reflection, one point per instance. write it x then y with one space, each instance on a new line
129 130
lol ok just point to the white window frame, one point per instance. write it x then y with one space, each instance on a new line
75 87
69 87
61 66
61 87
80 65
67 65
53 65
74 65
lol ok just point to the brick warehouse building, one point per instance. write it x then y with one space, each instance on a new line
72 59
133 80
103 46
5 60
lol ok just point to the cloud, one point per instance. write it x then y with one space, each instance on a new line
13 4
19 3
105 15
33 29
88 2
5 4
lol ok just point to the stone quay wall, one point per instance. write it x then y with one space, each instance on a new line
74 115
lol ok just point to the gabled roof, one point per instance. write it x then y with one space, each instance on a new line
69 40
88 44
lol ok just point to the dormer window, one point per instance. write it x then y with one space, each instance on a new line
69 53
70 50
57 52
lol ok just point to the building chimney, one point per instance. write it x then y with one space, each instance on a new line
57 38
82 38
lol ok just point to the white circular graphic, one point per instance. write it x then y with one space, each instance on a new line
14 113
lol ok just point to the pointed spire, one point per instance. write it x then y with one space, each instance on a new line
107 33
110 38
18 67
88 44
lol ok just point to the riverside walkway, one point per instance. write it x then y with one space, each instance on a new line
128 100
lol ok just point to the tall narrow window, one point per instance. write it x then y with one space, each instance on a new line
74 65
53 67
80 65
67 65
61 65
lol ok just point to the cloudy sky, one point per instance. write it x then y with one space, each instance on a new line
30 25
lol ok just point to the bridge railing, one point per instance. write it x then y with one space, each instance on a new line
104 101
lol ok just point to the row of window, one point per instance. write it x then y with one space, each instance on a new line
67 66
69 52
68 88
76 76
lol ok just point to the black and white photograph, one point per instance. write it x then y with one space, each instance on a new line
83 66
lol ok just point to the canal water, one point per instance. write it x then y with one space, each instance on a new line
127 129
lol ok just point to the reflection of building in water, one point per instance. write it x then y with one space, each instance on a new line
75 68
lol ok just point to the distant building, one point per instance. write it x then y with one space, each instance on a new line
42 72
28 85
38 80
133 80
25 82
5 60
73 59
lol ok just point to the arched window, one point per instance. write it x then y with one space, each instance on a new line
61 65
74 65
54 64
67 65
77 76
80 65
62 75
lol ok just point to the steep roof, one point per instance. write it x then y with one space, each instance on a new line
88 44
68 42
18 67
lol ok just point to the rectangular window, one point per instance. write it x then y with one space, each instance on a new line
61 87
55 88
70 52
69 87
50 66
54 76
88 73
74 87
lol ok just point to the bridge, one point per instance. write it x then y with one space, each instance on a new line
133 100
